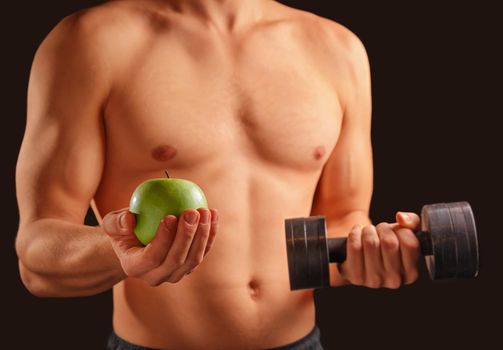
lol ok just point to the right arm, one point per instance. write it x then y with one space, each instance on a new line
59 168
58 172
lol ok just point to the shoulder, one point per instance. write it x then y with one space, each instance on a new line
336 51
324 37
333 38
94 33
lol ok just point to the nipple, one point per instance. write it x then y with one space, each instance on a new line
319 152
163 153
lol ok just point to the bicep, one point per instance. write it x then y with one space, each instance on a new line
346 182
62 153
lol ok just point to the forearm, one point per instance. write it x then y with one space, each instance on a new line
59 258
340 227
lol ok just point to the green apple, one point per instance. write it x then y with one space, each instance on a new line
155 198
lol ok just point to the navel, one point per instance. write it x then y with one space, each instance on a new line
253 288
319 152
163 153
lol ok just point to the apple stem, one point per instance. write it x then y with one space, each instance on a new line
166 172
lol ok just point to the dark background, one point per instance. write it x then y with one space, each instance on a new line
436 137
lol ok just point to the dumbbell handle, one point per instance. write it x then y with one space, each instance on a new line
337 246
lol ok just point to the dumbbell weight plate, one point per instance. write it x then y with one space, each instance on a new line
307 252
454 244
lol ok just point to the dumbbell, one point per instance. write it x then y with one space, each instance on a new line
448 241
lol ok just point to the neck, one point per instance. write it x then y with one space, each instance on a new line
222 14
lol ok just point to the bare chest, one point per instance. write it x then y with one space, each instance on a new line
172 111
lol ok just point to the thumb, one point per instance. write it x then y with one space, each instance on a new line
408 220
118 222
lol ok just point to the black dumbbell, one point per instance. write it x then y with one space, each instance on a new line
448 240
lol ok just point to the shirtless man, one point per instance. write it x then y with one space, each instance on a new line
266 107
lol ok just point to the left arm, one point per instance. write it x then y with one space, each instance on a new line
345 187
377 256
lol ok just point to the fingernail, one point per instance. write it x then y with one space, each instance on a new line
122 220
170 223
405 216
205 217
190 217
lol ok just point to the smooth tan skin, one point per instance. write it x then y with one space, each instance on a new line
267 108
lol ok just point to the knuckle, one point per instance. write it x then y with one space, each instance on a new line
368 230
390 242
382 226
354 241
354 237
176 261
203 228
370 242
110 224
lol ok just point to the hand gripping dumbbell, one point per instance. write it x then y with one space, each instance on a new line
448 241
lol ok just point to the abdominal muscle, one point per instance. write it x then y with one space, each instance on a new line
196 315
239 297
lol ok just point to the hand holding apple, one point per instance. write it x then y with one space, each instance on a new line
166 232
177 249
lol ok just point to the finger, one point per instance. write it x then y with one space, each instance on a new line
372 257
353 268
213 230
177 254
156 251
408 220
390 252
196 251
409 250
118 223
138 260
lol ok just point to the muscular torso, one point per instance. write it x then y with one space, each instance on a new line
251 118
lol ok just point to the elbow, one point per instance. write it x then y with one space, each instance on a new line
34 283
37 284
22 246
